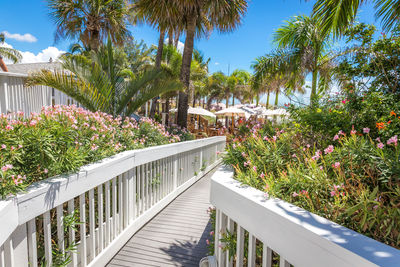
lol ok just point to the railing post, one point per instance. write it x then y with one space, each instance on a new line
19 246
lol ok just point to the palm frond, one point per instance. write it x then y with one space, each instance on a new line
11 54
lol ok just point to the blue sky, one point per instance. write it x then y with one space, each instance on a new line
236 50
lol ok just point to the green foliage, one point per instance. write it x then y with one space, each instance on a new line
61 139
101 82
351 178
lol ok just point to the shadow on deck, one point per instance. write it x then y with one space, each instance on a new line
174 237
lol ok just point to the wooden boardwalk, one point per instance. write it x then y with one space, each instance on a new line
176 236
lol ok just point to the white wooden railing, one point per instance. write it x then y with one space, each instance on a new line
299 237
15 96
113 199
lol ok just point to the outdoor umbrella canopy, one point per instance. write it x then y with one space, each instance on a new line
231 112
198 111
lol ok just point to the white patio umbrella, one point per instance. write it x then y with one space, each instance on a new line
198 111
231 112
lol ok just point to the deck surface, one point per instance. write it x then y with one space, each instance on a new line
174 237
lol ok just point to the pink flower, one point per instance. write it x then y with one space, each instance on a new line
3 146
341 132
295 194
262 175
380 145
208 242
366 130
9 127
243 154
336 165
352 130
321 168
218 152
6 167
294 156
33 123
333 193
329 149
266 138
212 233
45 170
274 137
336 137
392 140
255 168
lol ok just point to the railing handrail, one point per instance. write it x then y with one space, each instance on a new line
303 238
14 74
45 195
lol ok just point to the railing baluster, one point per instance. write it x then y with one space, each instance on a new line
32 243
114 207
47 238
239 246
283 262
151 184
125 210
251 258
120 204
60 227
142 187
82 210
92 223
267 256
71 234
2 257
108 203
100 208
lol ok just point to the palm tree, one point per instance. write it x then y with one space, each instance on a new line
276 72
102 84
90 21
335 16
199 17
241 85
160 15
9 53
307 45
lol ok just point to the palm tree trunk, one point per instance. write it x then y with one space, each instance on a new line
160 48
227 100
233 100
313 87
257 99
170 36
268 99
185 71
276 98
176 40
167 108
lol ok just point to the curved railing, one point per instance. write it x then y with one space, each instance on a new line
110 200
299 237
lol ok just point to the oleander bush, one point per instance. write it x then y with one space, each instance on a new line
349 176
61 139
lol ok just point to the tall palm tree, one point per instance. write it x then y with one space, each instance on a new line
308 46
161 15
335 16
199 17
9 53
100 83
90 21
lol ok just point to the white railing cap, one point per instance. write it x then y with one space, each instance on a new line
303 238
13 74
8 219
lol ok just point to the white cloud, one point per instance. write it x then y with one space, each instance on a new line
43 56
216 63
27 37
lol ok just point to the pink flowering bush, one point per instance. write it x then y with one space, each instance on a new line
61 139
353 179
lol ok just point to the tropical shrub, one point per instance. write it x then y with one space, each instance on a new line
61 139
353 179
